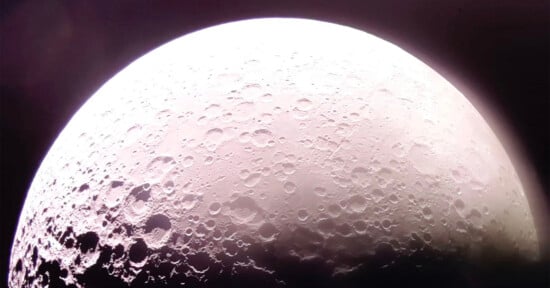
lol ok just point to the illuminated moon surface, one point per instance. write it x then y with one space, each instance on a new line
271 153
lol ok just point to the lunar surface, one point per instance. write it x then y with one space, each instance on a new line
272 153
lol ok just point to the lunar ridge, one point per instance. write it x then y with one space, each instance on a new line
261 153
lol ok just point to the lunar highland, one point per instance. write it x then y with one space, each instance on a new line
272 153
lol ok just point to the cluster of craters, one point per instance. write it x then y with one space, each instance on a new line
260 165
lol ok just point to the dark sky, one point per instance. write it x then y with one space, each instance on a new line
55 54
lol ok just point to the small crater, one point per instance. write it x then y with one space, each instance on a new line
243 209
357 203
459 204
360 227
261 138
87 241
141 193
214 208
210 224
289 187
188 161
189 201
320 191
138 251
213 138
199 262
116 184
268 231
325 226
289 168
303 215
344 230
168 187
427 212
334 210
378 195
461 226
159 166
393 198
304 104
427 237
157 221
252 180
230 248
83 187
18 266
360 176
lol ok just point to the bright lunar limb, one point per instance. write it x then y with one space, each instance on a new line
280 152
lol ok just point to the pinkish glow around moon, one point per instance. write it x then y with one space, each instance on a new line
257 150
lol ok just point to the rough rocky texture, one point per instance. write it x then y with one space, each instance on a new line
266 154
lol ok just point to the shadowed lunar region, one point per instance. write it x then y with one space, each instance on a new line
275 153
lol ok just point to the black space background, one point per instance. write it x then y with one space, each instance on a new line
55 54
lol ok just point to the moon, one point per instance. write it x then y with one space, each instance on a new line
278 152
